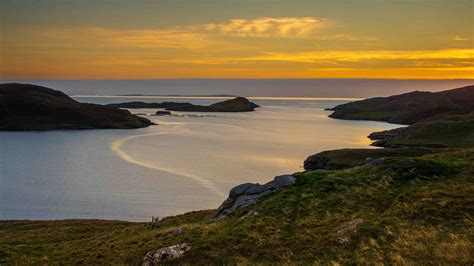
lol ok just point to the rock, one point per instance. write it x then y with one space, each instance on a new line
155 257
284 180
255 189
247 194
160 112
371 162
178 230
239 190
346 230
316 161
249 214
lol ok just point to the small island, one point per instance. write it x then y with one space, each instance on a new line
238 104
32 107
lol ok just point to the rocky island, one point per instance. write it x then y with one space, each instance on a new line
238 104
32 107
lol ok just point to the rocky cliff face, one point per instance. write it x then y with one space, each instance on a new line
31 107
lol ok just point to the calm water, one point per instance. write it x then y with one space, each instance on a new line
183 164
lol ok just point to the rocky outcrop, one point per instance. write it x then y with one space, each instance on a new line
247 194
31 107
158 256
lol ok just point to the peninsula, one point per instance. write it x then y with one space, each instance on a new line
32 107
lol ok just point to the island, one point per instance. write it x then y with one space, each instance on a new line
238 104
400 205
32 107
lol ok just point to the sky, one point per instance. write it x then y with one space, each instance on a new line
144 39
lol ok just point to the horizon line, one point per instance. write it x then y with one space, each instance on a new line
242 78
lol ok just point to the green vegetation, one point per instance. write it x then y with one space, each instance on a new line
454 131
404 210
346 158
437 120
408 108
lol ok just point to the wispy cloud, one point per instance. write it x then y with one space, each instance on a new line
295 27
356 56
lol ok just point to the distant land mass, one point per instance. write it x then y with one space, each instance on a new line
32 107
238 104
178 95
271 87
441 119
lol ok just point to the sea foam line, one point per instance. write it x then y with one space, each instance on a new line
117 148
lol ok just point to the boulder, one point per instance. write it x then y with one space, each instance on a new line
158 256
248 193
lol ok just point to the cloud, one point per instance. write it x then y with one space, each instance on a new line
356 56
459 38
294 27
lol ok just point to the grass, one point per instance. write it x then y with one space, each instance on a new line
406 210
454 131
346 158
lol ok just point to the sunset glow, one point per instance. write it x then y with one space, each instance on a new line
218 39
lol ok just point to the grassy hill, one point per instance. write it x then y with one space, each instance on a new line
408 108
441 131
405 210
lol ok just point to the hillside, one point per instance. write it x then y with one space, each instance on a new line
31 107
437 132
403 211
408 108
436 120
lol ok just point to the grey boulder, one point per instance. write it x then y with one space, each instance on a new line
248 193
158 256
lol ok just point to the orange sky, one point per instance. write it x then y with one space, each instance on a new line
237 39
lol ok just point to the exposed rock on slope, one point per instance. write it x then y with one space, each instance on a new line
247 194
31 107
239 104
155 257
